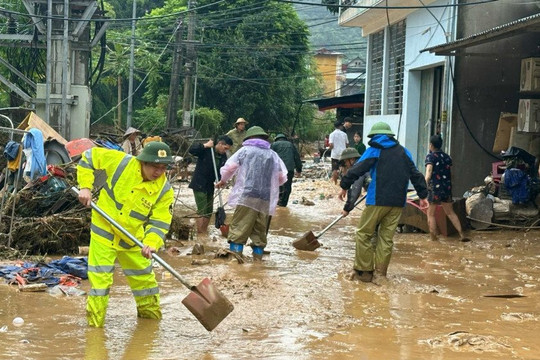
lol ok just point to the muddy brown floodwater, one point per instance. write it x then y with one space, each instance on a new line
300 305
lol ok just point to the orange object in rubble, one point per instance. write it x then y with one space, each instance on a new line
78 146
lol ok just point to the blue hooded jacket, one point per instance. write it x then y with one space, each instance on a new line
391 167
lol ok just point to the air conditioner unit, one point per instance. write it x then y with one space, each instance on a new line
530 75
529 115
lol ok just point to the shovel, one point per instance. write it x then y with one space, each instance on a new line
309 240
220 213
205 301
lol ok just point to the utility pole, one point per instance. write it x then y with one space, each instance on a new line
62 27
131 66
174 87
190 61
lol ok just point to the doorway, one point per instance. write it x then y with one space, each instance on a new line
429 122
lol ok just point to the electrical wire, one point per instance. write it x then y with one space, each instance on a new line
144 18
141 83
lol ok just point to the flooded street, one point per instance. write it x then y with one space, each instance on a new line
444 300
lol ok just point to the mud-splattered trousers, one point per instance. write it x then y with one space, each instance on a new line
248 224
142 208
385 220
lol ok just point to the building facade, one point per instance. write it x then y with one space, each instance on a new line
415 90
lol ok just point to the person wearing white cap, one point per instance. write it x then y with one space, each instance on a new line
237 134
132 144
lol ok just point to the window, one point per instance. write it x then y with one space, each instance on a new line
376 52
391 66
396 62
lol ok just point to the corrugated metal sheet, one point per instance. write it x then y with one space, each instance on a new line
529 23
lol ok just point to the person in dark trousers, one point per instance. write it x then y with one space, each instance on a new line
290 156
204 178
439 180
391 167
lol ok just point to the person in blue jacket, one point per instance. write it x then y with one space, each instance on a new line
391 167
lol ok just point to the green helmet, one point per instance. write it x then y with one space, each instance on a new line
255 131
156 152
280 136
349 153
380 128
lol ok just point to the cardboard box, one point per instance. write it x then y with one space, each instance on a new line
530 75
529 115
507 121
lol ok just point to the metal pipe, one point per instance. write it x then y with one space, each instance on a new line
131 66
16 131
48 68
17 175
6 172
16 182
64 126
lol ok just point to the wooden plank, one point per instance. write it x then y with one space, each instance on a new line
34 121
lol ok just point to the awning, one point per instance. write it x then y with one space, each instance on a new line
529 23
341 102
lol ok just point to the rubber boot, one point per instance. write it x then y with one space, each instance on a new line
237 248
258 253
365 276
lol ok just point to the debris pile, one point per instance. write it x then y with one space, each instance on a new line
312 170
43 218
508 195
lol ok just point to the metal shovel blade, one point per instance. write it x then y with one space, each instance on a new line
208 304
307 242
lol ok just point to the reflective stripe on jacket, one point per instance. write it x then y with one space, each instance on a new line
141 207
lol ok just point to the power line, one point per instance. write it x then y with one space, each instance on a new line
144 18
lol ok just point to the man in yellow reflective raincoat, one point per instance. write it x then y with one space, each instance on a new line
138 197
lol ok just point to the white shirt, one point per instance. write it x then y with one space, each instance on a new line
340 141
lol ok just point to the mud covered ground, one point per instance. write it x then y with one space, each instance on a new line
444 300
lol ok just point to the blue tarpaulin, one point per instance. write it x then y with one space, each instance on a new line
50 273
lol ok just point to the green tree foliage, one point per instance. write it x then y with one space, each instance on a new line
116 72
151 119
124 8
208 122
253 62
